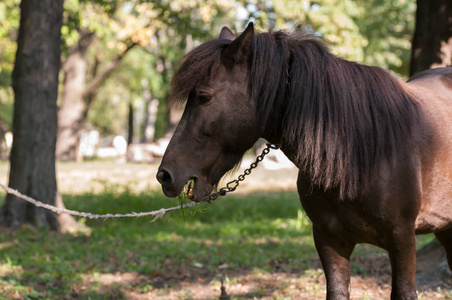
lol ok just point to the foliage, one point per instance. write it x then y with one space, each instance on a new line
83 15
388 27
332 19
164 30
376 32
9 25
353 27
6 107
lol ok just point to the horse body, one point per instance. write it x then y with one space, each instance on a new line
374 154
433 88
412 196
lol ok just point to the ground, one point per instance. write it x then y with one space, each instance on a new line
280 278
245 284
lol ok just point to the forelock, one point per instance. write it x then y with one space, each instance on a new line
197 67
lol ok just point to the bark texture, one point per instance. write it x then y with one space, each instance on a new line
72 112
432 41
35 84
78 95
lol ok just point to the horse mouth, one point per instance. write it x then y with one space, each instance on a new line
190 193
193 187
197 189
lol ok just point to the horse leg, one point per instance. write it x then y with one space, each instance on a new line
445 238
402 253
334 254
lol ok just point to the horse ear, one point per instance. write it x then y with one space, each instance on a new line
238 50
226 33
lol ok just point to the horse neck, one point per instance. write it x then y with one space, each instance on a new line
339 118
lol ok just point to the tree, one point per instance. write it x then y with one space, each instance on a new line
387 27
98 32
165 28
73 105
35 85
78 95
184 25
374 32
432 42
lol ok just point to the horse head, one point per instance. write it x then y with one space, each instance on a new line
219 121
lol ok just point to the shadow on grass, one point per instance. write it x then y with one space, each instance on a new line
261 243
235 234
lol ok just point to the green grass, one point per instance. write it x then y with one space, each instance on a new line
255 234
236 233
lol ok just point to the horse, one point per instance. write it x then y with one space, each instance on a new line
374 153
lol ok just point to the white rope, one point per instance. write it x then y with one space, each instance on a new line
156 213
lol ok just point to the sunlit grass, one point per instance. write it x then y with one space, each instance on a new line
231 234
257 234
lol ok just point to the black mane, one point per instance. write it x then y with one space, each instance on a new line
197 67
340 118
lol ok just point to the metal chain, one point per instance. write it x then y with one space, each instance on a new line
232 185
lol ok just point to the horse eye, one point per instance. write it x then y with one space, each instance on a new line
204 98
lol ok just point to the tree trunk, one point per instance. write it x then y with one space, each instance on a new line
173 112
432 42
72 112
78 96
149 121
173 116
131 128
35 85
150 114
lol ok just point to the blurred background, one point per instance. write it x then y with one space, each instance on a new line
118 58
95 101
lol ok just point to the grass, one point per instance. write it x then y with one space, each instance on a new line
246 239
232 234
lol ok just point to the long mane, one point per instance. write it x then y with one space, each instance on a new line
341 119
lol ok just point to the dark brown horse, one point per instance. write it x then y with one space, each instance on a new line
374 153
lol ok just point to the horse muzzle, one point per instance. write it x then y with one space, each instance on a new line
166 179
173 186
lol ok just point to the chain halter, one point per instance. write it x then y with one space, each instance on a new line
232 185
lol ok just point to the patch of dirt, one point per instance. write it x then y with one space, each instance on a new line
374 283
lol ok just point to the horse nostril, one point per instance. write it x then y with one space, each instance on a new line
164 177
